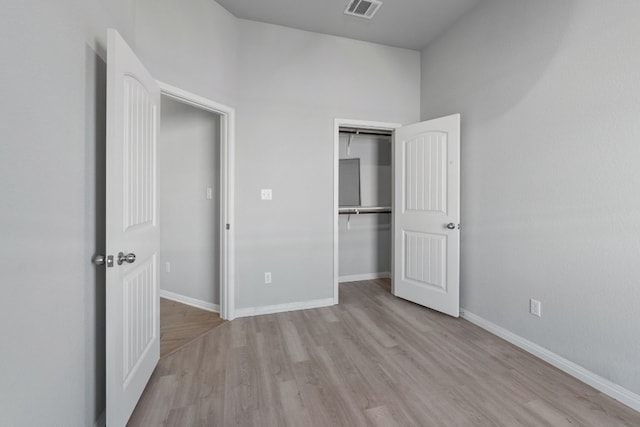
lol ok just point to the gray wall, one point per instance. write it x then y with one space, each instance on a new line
550 100
52 183
294 84
287 87
365 246
52 168
189 162
189 44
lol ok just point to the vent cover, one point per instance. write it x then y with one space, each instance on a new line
363 8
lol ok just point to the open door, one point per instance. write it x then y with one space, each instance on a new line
133 235
426 227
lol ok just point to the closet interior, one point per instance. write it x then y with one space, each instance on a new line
365 199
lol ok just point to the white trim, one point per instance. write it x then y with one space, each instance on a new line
102 420
193 99
363 124
227 152
281 308
204 305
603 385
368 276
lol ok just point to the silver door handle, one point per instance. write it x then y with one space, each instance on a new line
103 259
128 258
451 226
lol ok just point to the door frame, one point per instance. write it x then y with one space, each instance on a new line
227 146
362 124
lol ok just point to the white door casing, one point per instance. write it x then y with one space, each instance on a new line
361 124
132 227
227 138
427 202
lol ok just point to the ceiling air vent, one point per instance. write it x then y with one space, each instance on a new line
363 8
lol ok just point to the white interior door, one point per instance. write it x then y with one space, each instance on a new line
132 299
427 213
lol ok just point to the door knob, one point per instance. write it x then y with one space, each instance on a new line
451 226
129 258
103 259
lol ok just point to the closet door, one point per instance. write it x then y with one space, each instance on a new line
427 213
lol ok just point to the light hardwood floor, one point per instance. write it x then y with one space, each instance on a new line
181 323
372 360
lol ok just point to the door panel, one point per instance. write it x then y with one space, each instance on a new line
140 123
132 288
425 256
425 165
426 201
138 295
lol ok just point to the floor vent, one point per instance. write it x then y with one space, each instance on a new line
363 8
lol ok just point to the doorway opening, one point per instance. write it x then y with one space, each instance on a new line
194 152
363 198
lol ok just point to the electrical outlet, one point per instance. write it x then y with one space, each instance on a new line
535 307
267 278
167 267
266 194
209 193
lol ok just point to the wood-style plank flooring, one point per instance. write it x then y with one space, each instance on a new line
373 360
181 323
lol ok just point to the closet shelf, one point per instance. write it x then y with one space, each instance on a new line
364 132
359 210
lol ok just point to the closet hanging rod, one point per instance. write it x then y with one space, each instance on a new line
364 210
365 132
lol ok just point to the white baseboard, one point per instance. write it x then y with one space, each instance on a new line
603 385
360 277
281 308
190 301
101 421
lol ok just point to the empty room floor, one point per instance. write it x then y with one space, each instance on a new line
181 324
372 360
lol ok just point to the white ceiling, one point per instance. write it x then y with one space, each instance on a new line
410 24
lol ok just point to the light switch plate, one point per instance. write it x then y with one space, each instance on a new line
535 307
266 194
